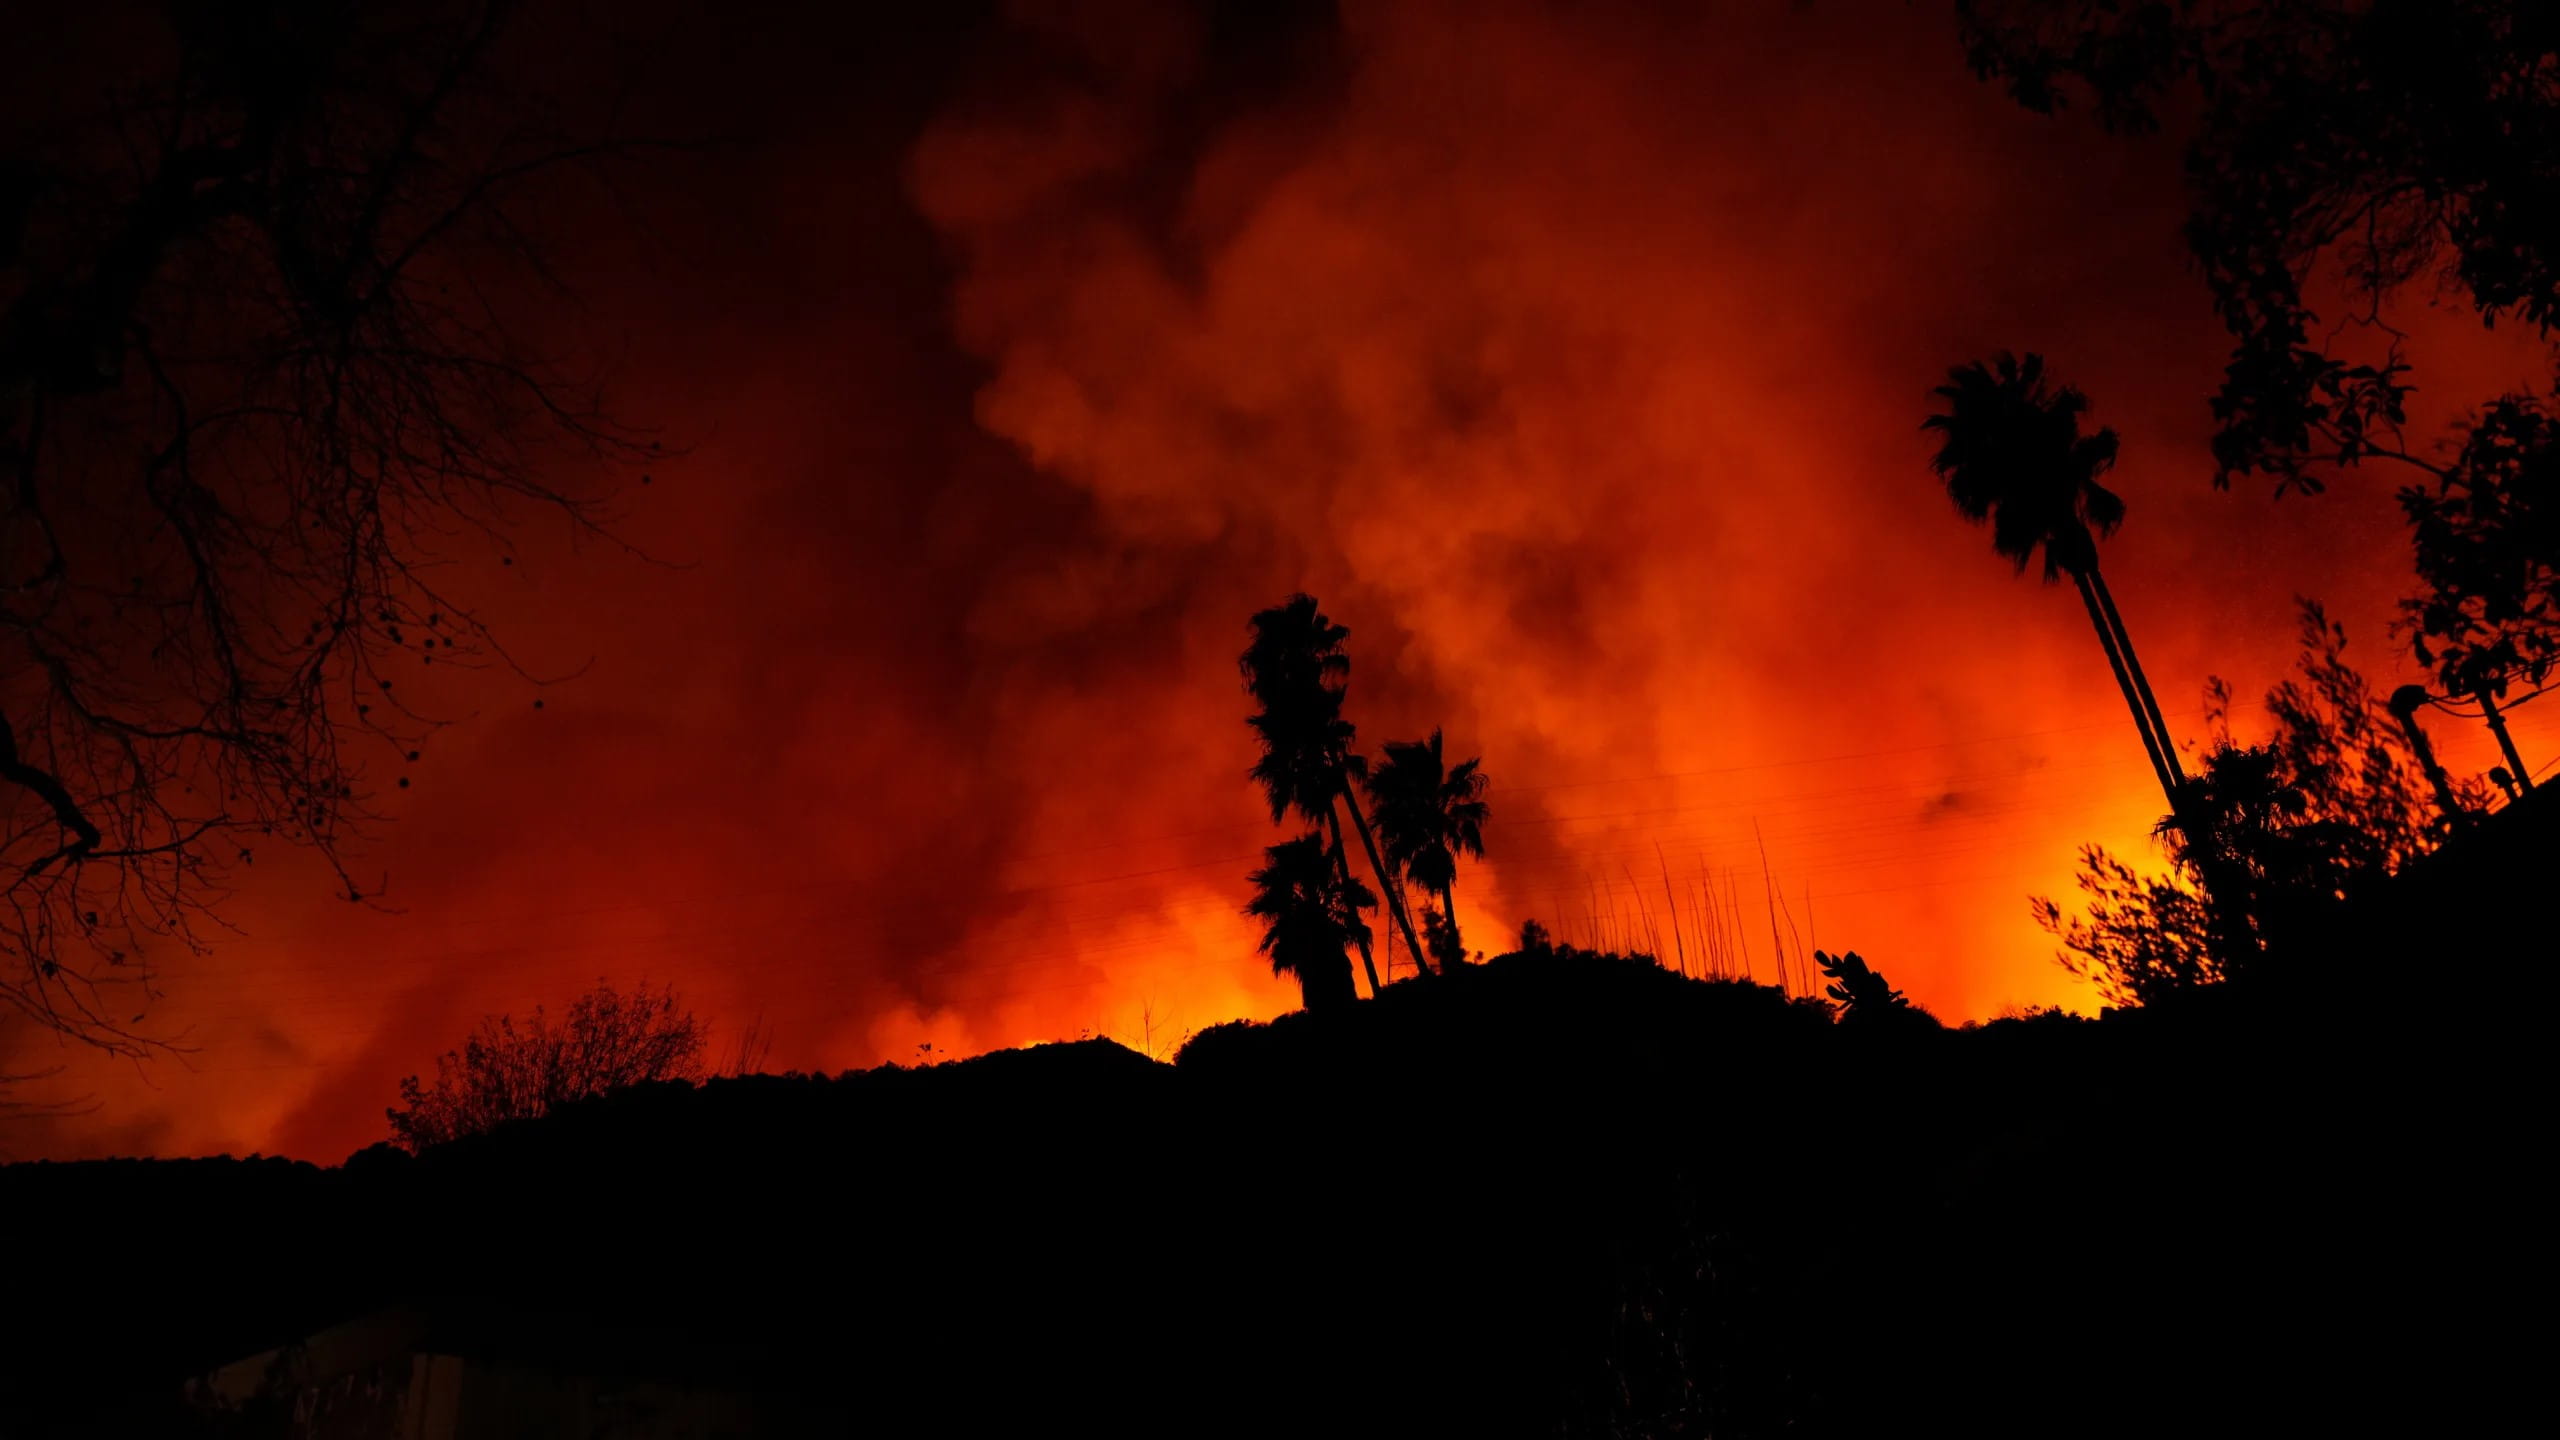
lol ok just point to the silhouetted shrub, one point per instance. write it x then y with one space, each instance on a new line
1864 998
607 1041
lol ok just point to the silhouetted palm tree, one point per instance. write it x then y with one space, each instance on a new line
1430 813
1296 668
2014 454
1310 908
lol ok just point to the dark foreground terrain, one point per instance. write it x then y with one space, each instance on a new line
1560 1194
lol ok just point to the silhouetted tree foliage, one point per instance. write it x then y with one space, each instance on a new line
607 1041
1309 905
1863 997
2267 842
2142 938
2336 740
2487 530
2012 452
1296 668
1440 932
2389 141
2365 146
263 367
2249 832
1429 813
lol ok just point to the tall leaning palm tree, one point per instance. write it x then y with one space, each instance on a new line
1310 908
1296 667
2012 452
1429 813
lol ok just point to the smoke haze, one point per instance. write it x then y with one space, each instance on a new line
1574 356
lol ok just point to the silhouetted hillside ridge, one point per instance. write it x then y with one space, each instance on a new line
1552 1192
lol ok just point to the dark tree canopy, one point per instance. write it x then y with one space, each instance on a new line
2488 542
2259 861
2267 842
2367 142
2335 740
2343 151
264 378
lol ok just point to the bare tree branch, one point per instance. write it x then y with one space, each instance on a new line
258 379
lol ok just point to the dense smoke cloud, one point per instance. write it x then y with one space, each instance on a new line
1573 355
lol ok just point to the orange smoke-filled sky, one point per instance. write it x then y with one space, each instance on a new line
1574 355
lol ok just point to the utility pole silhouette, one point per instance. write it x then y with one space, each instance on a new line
2506 742
2404 708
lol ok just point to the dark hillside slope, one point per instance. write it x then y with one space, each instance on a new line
1559 1194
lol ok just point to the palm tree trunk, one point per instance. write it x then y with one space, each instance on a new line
2141 683
2116 660
1333 816
1449 908
1395 898
2226 891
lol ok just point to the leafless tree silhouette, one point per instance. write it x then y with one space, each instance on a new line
259 386
608 1040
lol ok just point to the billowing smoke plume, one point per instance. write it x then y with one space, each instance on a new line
1573 355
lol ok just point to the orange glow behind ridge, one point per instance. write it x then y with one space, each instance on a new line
1575 361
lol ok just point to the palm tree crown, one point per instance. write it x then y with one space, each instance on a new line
1296 668
1296 649
2013 453
1310 908
1428 813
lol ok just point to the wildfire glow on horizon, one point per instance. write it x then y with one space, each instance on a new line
1574 357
